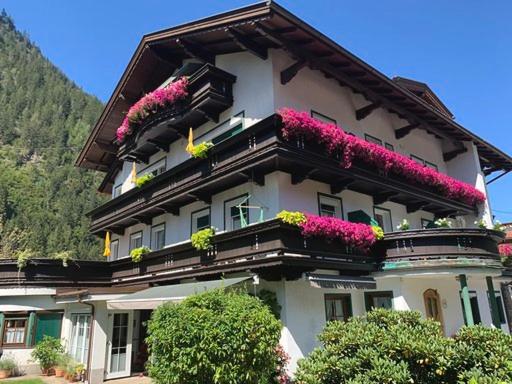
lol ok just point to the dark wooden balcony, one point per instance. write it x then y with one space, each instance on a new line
249 155
210 93
441 248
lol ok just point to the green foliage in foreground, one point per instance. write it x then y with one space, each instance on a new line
22 381
402 348
215 337
47 352
44 121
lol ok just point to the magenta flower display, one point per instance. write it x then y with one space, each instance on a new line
357 235
300 125
505 250
150 104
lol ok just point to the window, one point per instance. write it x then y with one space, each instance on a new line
330 206
389 147
229 133
157 237
114 250
79 337
501 311
200 219
431 165
117 191
321 117
426 223
15 330
372 139
232 217
378 300
383 217
338 307
474 308
135 240
157 168
229 128
417 159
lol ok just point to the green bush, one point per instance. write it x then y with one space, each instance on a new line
48 352
137 253
8 364
400 347
202 240
140 181
216 337
292 218
200 151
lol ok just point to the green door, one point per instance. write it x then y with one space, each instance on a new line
48 324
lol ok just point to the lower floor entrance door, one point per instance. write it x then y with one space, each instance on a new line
119 344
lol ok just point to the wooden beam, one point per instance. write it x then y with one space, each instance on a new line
246 43
383 197
106 146
170 208
143 219
99 166
176 131
289 73
164 56
411 208
256 177
196 51
299 177
365 111
404 131
450 155
207 199
323 64
117 230
341 185
210 116
160 145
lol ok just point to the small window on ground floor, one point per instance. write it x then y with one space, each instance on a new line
383 299
338 307
200 219
15 331
499 301
475 310
383 217
135 240
157 237
330 206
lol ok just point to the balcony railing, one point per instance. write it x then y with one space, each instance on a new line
210 93
249 155
441 248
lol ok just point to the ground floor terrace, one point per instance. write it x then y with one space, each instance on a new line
105 328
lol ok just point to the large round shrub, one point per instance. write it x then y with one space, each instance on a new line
402 348
216 337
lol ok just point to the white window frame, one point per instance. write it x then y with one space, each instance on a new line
334 201
135 236
154 230
194 216
385 211
114 249
80 353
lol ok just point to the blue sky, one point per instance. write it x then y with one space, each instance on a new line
461 48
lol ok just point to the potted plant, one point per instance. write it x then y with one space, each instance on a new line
403 226
7 367
138 253
62 363
74 370
47 353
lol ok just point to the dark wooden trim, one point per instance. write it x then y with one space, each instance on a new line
247 44
404 131
365 111
341 185
383 197
290 72
195 50
450 155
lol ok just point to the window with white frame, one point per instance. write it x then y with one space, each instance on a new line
79 337
330 206
383 217
233 213
135 240
158 237
114 249
15 330
200 219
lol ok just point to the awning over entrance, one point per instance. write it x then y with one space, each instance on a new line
153 297
341 282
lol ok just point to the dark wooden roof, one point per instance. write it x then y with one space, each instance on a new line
256 28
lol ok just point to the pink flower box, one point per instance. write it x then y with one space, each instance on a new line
505 250
150 104
300 125
357 235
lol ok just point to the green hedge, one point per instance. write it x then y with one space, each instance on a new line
215 337
402 348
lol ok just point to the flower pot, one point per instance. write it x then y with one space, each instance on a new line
60 372
48 371
4 373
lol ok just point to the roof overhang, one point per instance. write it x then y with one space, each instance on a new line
256 28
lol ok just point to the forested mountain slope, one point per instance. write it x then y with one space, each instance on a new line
44 120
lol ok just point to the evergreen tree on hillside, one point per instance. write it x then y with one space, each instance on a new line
44 120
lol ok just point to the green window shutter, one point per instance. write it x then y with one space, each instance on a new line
29 340
361 217
2 317
48 324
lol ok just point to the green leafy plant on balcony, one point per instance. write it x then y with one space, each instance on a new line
481 224
443 223
64 256
200 151
23 257
292 218
404 225
138 253
378 232
497 226
202 240
140 181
